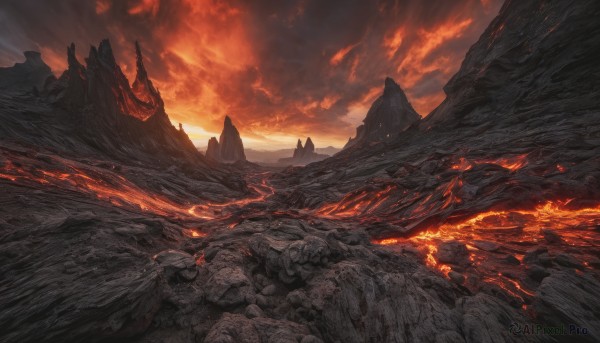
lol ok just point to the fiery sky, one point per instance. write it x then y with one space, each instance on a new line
281 69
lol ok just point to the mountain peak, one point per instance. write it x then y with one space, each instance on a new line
388 116
389 82
142 86
139 63
309 146
231 147
105 53
227 122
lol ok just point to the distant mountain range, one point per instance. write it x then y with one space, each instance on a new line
263 156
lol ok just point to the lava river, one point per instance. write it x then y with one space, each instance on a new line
108 185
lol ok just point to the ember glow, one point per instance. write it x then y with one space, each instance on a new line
355 204
517 230
209 58
118 191
512 163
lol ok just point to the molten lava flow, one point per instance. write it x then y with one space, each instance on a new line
463 165
213 210
511 163
450 192
100 183
512 232
195 233
355 204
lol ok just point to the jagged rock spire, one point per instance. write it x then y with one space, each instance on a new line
230 143
142 86
213 151
139 63
309 146
388 116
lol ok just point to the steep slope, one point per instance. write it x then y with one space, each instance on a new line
535 58
525 94
389 115
94 108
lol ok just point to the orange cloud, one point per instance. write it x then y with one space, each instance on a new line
341 54
271 65
415 64
393 42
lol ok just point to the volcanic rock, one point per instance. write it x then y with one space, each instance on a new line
237 328
142 87
453 252
388 116
213 150
518 68
565 298
26 76
228 284
178 263
303 155
231 148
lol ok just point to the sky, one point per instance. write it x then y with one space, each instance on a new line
282 69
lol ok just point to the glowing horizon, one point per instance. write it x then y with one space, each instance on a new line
274 69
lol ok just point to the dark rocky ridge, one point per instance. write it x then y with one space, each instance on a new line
92 110
388 116
524 67
27 76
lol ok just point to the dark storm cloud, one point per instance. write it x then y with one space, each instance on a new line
287 68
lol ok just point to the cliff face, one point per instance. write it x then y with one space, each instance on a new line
534 59
213 150
230 143
388 116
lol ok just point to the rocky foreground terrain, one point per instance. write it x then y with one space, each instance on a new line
475 224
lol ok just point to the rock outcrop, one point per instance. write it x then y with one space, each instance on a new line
213 150
33 73
230 143
229 148
114 117
303 154
388 116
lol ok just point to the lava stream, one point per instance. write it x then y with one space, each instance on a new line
109 186
493 233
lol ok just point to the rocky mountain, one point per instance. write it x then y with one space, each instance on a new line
388 116
303 154
511 153
273 156
91 110
229 148
26 76
213 150
523 68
